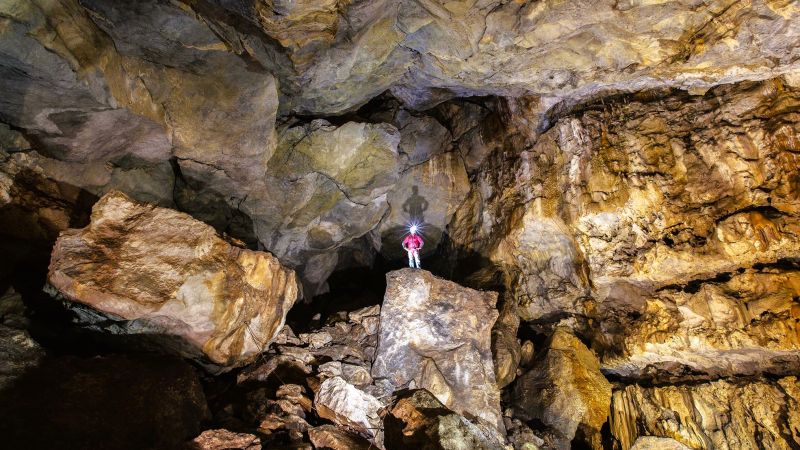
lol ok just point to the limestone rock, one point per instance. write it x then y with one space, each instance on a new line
328 436
417 419
221 439
220 112
599 242
753 414
165 273
522 437
657 443
147 182
547 273
565 390
368 317
506 348
43 45
428 52
325 186
745 324
436 335
345 404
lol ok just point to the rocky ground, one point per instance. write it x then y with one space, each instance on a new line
201 205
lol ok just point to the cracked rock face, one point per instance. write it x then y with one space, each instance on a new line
746 325
417 419
640 196
163 273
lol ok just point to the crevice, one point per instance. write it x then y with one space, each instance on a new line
768 211
694 286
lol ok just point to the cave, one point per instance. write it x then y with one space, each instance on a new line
208 210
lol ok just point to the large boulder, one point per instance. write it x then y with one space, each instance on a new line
566 390
164 273
417 419
344 404
435 334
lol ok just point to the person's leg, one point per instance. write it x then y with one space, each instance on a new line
410 259
416 258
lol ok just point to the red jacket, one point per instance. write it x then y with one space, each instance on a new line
412 242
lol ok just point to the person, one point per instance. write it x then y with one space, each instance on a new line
412 244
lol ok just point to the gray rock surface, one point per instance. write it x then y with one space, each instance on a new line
436 335
346 405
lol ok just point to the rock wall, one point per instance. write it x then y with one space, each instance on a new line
624 173
661 227
720 415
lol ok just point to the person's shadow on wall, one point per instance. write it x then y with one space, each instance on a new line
414 209
415 206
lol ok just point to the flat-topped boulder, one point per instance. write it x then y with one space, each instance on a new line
156 271
435 334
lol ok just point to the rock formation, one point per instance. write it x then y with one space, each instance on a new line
656 443
224 440
164 273
345 404
565 390
417 419
623 174
436 335
329 436
721 414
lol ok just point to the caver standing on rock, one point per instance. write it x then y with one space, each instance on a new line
412 244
